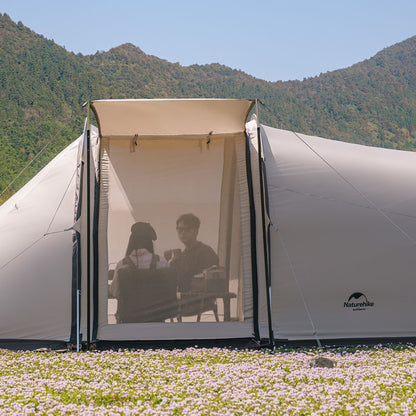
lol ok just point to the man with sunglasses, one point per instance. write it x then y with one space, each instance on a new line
195 257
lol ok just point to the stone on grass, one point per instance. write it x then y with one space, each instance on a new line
62 351
321 362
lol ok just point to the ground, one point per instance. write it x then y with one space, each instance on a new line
196 381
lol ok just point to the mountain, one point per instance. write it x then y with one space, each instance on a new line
43 86
372 102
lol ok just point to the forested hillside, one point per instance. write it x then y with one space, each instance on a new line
42 88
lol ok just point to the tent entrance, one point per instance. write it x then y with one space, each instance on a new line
172 218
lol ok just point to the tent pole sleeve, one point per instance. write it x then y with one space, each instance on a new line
95 255
78 319
88 229
253 245
263 190
76 337
76 284
268 245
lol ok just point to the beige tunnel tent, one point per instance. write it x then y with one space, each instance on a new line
314 242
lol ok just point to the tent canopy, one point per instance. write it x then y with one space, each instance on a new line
171 117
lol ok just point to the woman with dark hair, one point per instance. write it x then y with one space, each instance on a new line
139 253
142 236
140 247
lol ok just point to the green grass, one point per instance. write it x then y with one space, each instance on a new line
370 381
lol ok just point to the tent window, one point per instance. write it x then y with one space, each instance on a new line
173 230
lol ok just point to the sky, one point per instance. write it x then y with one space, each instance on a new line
272 40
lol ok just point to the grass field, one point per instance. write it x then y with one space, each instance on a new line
365 381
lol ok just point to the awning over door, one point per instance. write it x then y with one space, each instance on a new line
171 117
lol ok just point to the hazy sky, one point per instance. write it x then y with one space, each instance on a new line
273 40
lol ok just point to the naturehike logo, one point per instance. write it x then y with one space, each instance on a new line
358 302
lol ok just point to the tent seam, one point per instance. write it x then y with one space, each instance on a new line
308 313
379 210
60 202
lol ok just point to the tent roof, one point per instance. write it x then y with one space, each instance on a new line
170 117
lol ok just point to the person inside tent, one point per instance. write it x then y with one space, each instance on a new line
139 253
195 257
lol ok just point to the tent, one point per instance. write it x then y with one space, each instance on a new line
314 238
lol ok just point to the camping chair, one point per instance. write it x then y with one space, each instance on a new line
204 290
191 304
146 295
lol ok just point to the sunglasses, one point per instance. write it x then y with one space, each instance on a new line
183 229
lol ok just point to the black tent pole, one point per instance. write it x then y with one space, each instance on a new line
88 229
263 221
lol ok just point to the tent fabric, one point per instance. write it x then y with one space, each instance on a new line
180 117
262 289
80 215
343 232
36 253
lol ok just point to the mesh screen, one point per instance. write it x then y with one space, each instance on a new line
172 209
